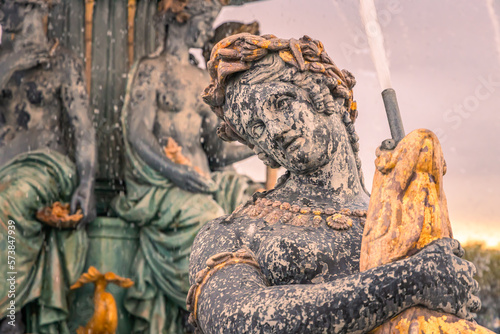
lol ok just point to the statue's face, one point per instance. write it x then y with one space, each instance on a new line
200 26
279 118
12 17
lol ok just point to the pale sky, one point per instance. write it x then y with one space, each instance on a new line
444 58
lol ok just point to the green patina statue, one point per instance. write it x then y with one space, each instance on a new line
42 93
176 175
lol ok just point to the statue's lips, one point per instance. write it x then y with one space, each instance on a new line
294 144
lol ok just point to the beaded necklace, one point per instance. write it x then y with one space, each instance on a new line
273 212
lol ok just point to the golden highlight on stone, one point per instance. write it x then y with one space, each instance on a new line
105 317
58 215
408 206
89 25
173 151
407 211
420 320
131 10
214 264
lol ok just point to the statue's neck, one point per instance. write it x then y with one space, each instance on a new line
33 32
337 183
176 43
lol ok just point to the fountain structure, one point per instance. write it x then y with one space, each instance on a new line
105 39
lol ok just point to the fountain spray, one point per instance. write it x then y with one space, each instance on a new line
376 43
495 24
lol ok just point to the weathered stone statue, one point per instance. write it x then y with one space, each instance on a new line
42 94
171 150
227 29
288 260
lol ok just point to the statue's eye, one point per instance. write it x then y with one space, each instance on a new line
282 102
257 129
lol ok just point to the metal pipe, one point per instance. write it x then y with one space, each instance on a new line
271 177
393 114
89 25
132 8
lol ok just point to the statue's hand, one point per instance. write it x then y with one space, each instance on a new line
449 283
187 178
83 198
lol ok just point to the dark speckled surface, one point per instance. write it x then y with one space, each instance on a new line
311 282
309 279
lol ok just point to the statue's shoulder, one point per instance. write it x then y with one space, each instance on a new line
220 227
66 59
217 236
152 61
147 68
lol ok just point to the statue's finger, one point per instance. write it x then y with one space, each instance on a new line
459 250
451 246
475 287
74 204
473 269
474 304
195 187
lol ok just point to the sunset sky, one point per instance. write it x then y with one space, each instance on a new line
445 65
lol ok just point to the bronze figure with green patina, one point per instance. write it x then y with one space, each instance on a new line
287 261
175 174
42 95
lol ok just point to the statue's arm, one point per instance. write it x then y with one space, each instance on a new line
219 152
140 123
237 298
7 69
11 61
75 99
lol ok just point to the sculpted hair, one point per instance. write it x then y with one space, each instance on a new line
257 59
181 10
174 8
241 52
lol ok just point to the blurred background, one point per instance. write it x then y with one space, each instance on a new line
444 59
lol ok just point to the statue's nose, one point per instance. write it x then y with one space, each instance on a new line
279 128
281 134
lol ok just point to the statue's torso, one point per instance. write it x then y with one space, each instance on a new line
30 112
181 112
297 254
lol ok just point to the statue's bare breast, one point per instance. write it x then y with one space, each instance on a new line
180 112
30 113
290 254
302 255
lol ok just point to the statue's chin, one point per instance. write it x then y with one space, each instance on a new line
302 163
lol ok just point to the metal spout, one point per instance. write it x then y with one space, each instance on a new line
393 115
